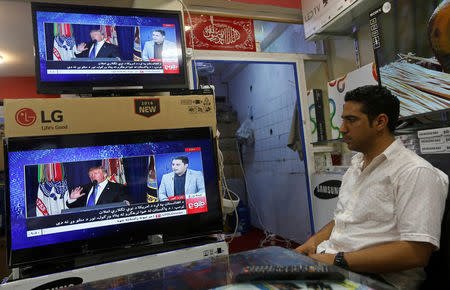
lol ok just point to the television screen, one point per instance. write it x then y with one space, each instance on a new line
406 36
69 195
91 49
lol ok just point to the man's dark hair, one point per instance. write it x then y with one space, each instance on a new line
376 100
183 159
163 33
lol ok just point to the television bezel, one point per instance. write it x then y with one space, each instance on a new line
175 229
151 83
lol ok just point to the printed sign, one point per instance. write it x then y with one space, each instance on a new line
56 116
146 107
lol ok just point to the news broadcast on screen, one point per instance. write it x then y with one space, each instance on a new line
140 174
81 48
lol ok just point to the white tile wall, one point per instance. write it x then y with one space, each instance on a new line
273 98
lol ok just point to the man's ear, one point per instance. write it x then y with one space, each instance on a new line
381 122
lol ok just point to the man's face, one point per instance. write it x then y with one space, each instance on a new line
355 127
158 37
97 174
96 35
179 167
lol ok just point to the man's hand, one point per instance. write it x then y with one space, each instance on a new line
327 258
307 248
310 246
81 47
76 193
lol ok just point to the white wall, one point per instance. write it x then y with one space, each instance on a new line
157 4
341 52
275 175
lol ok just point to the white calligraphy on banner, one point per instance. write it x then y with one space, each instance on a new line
317 13
221 34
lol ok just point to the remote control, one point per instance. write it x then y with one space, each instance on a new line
292 272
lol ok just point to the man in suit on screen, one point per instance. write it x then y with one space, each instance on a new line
99 191
98 47
159 47
181 181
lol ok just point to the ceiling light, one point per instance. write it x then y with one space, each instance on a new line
1 59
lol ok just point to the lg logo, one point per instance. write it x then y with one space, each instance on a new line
27 117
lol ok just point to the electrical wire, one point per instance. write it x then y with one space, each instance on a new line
228 191
268 236
192 42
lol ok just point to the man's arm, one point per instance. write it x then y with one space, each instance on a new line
81 49
145 51
311 244
124 194
75 197
162 195
116 52
390 257
200 183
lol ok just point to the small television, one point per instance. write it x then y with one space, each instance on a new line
404 53
107 51
43 172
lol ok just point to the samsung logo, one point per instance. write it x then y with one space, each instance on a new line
61 283
328 189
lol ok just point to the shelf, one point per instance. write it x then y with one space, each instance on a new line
417 127
343 23
323 149
340 140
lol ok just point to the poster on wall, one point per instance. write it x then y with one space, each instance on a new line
318 13
366 75
220 33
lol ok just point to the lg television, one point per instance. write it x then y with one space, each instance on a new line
42 173
99 51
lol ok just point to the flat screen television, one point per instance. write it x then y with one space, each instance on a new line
46 223
404 54
100 50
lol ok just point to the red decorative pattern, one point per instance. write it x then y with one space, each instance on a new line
220 33
41 206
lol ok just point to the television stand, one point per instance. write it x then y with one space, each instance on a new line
203 91
171 255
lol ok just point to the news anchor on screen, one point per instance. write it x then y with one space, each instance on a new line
99 191
159 47
181 181
98 47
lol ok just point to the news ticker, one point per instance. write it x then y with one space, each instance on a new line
103 71
110 222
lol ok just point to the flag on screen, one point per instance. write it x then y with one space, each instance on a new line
137 55
152 186
63 44
110 33
52 189
115 170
